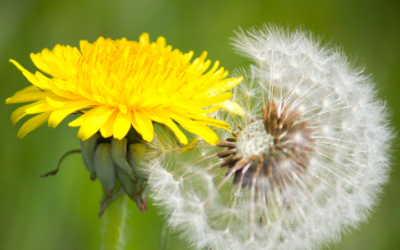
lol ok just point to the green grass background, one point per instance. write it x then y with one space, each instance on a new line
61 212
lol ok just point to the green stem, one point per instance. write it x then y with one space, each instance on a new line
113 229
165 238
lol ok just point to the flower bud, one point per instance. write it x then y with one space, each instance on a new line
104 167
118 153
88 148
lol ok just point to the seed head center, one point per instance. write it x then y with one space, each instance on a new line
254 140
274 148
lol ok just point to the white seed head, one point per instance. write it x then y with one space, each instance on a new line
296 176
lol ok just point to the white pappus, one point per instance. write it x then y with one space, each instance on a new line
306 163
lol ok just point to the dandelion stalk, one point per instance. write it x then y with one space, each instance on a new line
114 225
165 238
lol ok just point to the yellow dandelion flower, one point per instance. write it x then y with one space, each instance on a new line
119 84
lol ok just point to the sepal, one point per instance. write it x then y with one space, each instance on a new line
88 147
105 168
119 155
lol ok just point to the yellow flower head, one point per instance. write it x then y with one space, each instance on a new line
119 84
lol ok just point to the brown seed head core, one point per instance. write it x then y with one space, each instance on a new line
269 151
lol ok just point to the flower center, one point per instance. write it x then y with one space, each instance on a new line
269 151
254 140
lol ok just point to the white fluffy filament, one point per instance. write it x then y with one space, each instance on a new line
345 173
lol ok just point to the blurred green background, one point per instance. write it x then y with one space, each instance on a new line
61 212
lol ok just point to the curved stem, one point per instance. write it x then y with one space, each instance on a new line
54 172
113 229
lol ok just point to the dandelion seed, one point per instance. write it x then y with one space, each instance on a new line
306 163
129 94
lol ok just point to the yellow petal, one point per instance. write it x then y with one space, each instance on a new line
33 123
37 59
224 85
78 121
83 45
28 94
44 81
56 87
209 121
31 77
145 125
162 118
179 134
17 65
202 102
144 38
55 104
59 115
94 122
190 146
215 67
28 89
189 55
134 124
122 125
203 55
161 42
225 74
232 107
40 108
19 113
204 132
197 128
207 111
157 116
123 108
107 129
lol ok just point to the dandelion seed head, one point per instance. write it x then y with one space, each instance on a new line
306 163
